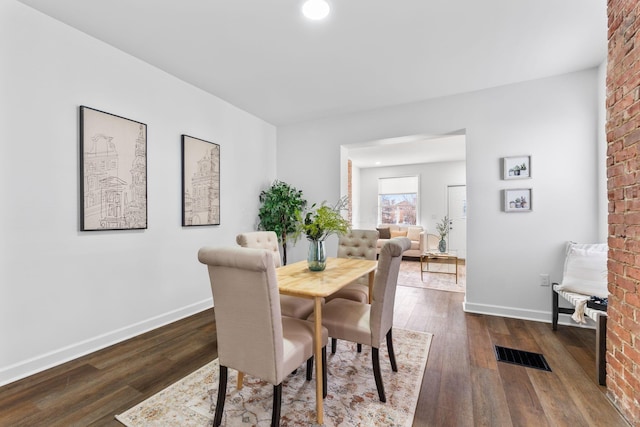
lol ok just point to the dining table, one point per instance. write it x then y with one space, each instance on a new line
296 279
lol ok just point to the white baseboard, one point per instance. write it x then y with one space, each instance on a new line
45 361
516 313
519 313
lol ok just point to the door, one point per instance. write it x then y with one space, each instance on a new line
457 212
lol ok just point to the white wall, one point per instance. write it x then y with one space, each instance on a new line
554 120
64 292
434 178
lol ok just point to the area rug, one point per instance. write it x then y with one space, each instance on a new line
409 275
352 399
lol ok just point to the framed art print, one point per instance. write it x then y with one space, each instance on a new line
113 172
517 200
200 182
517 167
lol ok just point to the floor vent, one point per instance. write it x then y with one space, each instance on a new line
522 358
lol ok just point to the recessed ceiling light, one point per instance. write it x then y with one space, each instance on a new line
316 9
378 163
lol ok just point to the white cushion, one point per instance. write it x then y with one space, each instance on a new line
413 233
585 269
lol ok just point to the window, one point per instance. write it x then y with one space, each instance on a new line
398 200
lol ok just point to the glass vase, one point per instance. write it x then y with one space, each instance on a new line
317 259
442 245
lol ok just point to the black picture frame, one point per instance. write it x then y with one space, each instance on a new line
113 172
200 182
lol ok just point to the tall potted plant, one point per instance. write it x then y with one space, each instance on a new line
318 224
281 209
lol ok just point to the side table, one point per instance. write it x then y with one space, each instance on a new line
450 257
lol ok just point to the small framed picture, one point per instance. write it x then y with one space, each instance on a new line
518 167
517 200
200 182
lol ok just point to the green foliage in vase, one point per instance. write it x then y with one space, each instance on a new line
320 223
443 227
281 209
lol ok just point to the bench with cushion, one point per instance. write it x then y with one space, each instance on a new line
584 276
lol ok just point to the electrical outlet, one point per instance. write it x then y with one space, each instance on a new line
544 280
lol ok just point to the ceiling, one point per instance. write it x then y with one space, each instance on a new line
415 149
265 58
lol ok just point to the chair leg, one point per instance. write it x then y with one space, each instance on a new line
334 342
324 372
309 368
222 393
392 355
359 348
377 375
277 400
554 309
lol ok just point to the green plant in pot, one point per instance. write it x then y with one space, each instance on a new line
320 223
281 209
443 230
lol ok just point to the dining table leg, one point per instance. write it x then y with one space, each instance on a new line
318 356
240 379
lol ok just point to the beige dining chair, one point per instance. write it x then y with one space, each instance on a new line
291 306
369 324
359 244
253 337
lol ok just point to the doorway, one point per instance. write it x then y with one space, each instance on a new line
457 213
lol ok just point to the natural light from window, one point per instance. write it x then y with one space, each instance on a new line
398 200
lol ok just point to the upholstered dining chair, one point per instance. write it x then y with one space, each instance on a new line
369 324
356 244
291 306
253 336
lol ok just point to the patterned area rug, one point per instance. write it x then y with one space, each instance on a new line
352 399
435 279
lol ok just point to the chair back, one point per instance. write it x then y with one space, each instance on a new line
384 288
432 242
358 244
261 240
247 310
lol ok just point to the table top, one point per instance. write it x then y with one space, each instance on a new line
438 254
296 279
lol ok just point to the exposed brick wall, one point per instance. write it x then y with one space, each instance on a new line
623 172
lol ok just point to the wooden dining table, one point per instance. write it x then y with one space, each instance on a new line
296 279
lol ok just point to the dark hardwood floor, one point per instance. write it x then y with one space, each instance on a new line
463 385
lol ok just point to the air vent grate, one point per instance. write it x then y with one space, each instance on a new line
522 358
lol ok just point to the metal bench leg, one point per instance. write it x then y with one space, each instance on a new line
554 308
601 349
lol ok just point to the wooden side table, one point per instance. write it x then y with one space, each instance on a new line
436 256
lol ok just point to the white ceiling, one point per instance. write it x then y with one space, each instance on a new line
408 150
265 58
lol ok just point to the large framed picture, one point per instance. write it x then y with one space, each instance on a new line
113 172
517 167
200 182
517 200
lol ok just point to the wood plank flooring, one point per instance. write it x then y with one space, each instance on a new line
463 385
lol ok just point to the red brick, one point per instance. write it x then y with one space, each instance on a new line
623 136
633 298
626 283
632 218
